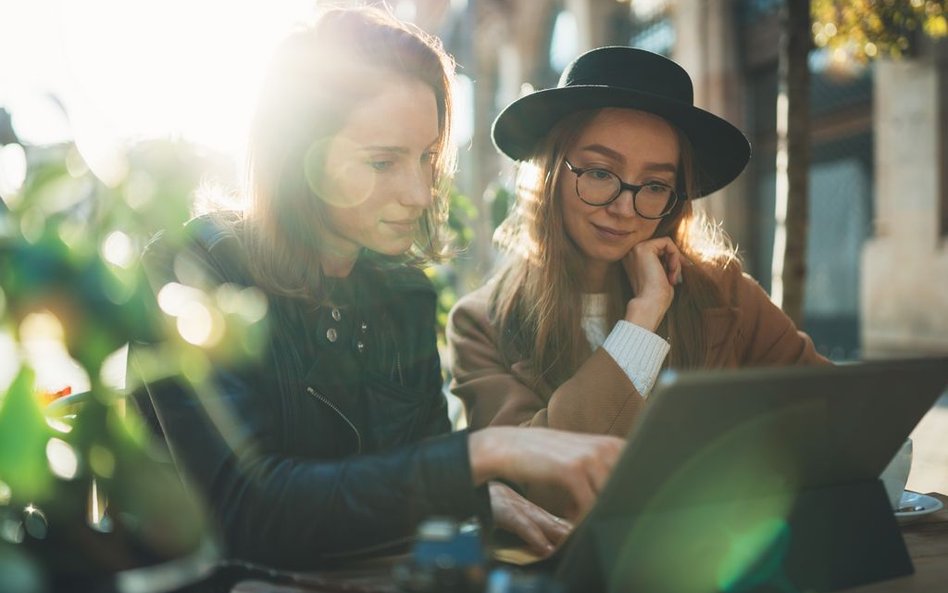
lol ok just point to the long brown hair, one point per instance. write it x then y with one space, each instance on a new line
536 301
316 78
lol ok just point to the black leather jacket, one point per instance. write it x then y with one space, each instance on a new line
321 447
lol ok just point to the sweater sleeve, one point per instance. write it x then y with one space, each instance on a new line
599 398
639 352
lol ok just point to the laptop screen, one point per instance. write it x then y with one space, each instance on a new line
723 457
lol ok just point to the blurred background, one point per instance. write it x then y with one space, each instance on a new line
110 87
98 73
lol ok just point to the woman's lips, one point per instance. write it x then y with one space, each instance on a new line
610 233
402 226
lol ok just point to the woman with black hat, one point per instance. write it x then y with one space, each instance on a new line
611 275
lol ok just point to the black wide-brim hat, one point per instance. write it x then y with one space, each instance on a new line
629 78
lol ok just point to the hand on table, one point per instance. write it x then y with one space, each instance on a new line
578 463
541 530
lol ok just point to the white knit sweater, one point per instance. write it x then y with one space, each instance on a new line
639 352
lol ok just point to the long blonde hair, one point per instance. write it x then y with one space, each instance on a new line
536 301
317 77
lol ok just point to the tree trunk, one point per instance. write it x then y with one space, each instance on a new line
793 159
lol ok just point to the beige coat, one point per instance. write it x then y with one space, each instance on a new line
600 398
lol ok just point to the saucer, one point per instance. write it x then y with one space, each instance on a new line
920 505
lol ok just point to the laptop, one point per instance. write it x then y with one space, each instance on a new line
755 480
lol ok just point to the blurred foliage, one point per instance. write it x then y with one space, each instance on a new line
461 219
500 204
866 29
88 494
23 438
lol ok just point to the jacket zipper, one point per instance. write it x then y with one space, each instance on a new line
326 401
398 366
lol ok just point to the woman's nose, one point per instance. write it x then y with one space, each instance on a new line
623 205
418 192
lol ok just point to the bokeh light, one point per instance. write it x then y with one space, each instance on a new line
12 172
42 326
63 461
118 249
42 336
173 297
12 531
249 303
199 325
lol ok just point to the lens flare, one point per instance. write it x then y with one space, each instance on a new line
35 522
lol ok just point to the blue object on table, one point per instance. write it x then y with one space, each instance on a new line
446 556
508 580
444 543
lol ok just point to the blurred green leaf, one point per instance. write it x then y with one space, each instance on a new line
69 247
23 437
100 311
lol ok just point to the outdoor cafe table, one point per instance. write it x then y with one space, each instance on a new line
926 540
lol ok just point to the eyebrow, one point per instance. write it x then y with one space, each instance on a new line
618 156
398 149
395 149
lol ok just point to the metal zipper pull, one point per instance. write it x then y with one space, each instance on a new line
326 401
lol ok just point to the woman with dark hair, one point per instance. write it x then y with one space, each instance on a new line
611 274
334 441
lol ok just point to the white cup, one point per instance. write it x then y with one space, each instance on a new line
896 474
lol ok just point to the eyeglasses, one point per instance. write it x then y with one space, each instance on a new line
601 187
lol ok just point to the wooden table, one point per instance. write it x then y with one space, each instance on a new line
926 540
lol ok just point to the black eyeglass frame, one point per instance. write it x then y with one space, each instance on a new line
579 172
